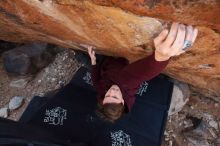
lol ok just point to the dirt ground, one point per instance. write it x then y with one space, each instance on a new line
183 129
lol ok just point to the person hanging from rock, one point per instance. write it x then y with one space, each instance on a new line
68 116
116 81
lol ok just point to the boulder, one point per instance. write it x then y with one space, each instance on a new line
122 28
27 59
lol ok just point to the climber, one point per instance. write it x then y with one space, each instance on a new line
116 81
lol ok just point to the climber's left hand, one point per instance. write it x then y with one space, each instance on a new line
92 55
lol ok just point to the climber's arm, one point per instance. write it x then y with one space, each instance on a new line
167 44
95 74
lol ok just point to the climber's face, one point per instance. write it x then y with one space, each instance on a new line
113 95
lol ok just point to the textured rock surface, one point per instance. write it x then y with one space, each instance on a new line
201 135
195 12
120 28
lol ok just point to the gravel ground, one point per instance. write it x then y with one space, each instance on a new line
52 77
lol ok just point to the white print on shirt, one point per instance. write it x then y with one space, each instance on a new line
87 78
143 88
119 138
55 116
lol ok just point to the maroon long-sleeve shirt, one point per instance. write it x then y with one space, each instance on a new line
127 76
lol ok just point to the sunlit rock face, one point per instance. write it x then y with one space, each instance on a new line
122 28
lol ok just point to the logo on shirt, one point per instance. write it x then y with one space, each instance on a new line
87 78
119 138
143 88
55 116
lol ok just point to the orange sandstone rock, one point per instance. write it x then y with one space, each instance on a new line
122 28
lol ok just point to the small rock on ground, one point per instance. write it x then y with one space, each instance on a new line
180 97
16 102
4 112
19 83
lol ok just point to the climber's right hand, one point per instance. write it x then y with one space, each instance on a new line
174 42
92 55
